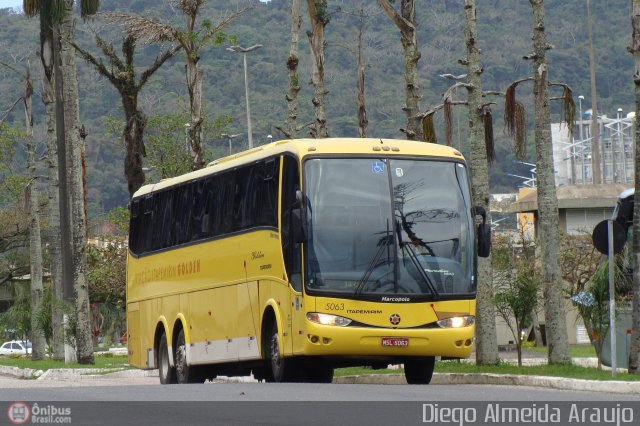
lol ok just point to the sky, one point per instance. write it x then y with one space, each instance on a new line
10 3
15 3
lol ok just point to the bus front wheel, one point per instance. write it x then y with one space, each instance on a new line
280 366
419 371
166 372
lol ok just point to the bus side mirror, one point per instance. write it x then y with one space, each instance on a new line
484 232
299 225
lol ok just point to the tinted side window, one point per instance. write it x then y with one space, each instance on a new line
225 204
198 212
182 208
134 227
266 200
290 250
146 233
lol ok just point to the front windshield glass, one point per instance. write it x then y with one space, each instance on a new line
380 226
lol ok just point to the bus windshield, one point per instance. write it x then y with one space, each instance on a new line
384 225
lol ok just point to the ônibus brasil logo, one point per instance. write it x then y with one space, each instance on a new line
19 413
394 319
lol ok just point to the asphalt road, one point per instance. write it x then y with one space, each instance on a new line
135 399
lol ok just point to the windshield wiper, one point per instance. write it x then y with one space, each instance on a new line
414 259
384 242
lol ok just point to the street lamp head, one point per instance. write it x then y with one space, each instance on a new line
237 48
580 97
619 109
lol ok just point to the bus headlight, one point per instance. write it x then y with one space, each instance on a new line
327 319
457 322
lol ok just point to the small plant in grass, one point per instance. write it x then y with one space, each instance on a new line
516 288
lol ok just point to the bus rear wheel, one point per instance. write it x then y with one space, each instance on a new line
184 372
281 368
419 371
166 372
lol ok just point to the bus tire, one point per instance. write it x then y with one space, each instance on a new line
418 371
184 372
281 367
166 372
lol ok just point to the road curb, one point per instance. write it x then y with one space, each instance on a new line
559 383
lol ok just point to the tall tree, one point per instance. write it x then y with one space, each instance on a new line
75 134
595 131
35 241
31 200
406 23
292 67
635 316
548 227
45 11
192 40
486 337
123 76
319 18
363 121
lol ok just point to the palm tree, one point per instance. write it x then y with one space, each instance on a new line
58 15
635 336
481 144
406 23
319 18
548 226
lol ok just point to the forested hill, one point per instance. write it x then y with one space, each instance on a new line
504 28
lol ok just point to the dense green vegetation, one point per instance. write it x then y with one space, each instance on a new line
504 32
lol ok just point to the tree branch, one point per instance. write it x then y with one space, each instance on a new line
402 24
157 64
436 108
97 64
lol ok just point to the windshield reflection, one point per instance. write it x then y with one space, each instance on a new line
381 226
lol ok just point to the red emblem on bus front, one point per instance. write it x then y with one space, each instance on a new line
394 319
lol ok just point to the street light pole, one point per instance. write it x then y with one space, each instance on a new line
187 126
228 136
582 150
244 51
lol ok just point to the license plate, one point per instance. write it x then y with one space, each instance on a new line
401 342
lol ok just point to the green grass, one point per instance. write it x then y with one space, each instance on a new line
355 371
576 351
114 362
569 371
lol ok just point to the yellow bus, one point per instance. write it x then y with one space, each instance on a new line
297 257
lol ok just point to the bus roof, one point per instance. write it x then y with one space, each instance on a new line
304 147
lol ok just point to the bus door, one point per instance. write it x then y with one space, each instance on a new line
291 252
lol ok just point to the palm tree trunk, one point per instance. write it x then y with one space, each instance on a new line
57 292
319 18
406 23
292 66
84 343
548 226
486 338
194 86
595 131
35 241
635 316
363 122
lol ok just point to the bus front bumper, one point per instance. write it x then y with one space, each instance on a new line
353 341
